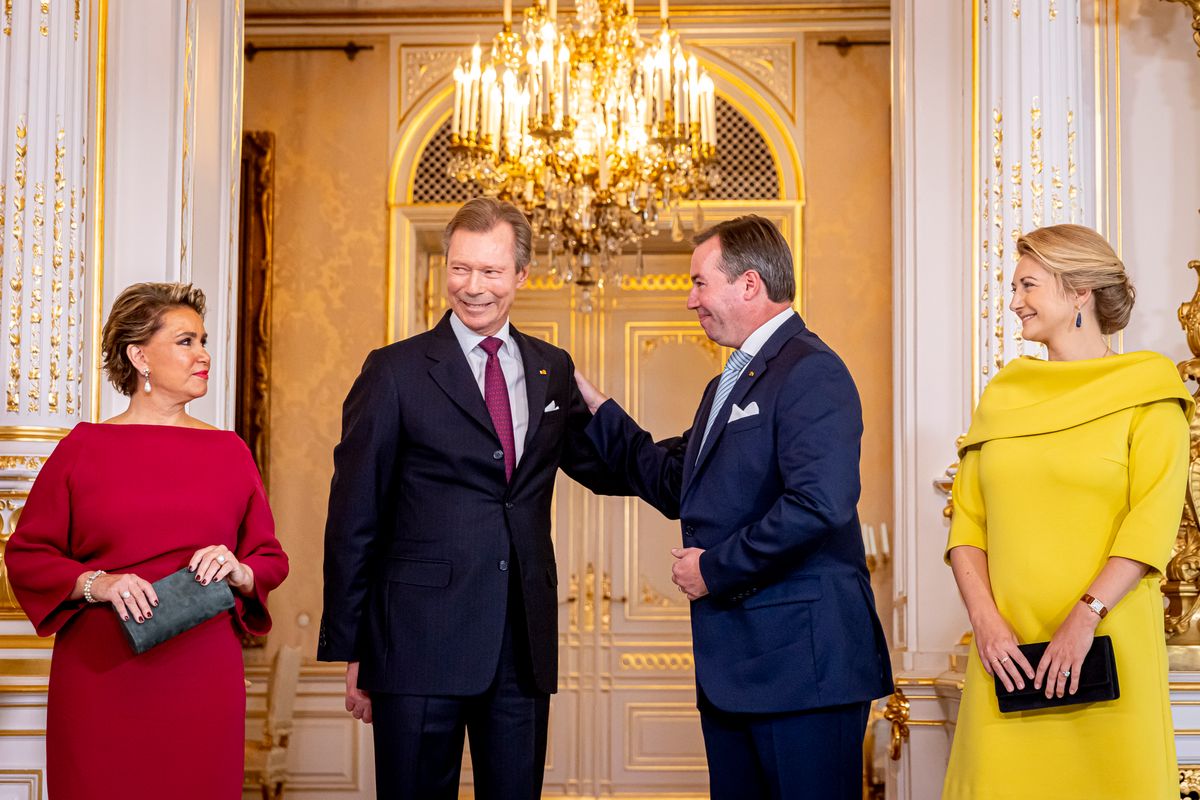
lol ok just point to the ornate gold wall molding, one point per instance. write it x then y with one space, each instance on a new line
897 712
1181 581
424 68
672 662
11 503
21 468
656 599
651 343
657 282
772 64
1194 6
1189 782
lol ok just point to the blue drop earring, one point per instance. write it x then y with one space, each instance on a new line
1078 319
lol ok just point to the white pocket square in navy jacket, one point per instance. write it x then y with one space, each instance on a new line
736 413
552 407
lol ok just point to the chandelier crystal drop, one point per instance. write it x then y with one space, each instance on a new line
595 133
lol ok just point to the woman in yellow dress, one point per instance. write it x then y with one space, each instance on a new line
1068 496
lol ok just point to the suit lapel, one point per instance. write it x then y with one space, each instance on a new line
537 376
453 374
692 451
750 375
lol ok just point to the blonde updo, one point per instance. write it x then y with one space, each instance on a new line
135 317
1079 258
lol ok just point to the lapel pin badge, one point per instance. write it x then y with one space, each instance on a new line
541 372
751 373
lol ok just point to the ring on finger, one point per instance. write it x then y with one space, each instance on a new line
125 595
1006 658
1066 673
220 559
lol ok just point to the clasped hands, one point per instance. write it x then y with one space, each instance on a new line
1057 672
131 595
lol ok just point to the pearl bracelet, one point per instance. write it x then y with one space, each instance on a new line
87 585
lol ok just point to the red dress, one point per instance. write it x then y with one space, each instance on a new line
169 723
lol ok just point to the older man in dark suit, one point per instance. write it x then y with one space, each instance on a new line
789 650
440 579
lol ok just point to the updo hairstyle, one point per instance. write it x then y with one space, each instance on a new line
1079 258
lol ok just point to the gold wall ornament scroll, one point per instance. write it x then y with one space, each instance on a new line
1189 783
896 712
11 503
945 482
1181 581
1194 6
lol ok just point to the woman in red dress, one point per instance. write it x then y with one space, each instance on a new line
116 507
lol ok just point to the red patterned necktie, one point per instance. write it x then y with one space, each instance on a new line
495 394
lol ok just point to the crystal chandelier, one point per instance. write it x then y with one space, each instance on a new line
594 132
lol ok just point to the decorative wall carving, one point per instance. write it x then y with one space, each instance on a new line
1194 6
653 597
1030 164
1181 581
772 63
657 661
43 182
11 503
1189 783
424 68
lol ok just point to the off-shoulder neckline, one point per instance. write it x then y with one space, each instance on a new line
152 425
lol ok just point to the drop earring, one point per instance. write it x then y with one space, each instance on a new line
146 386
1078 320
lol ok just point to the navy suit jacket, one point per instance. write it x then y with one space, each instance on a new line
789 622
422 523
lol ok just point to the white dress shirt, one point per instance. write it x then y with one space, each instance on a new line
756 340
512 366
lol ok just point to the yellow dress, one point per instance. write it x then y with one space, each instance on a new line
1066 464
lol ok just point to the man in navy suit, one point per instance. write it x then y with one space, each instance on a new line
789 649
440 578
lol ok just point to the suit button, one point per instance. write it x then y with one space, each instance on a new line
499 454
508 506
503 565
689 530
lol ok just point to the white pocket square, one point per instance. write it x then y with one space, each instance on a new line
552 407
738 413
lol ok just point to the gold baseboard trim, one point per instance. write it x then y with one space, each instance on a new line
24 689
25 667
26 641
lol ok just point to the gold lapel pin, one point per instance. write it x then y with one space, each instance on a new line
751 373
541 372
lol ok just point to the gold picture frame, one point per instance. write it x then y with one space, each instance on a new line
255 268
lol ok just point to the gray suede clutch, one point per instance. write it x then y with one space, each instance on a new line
183 603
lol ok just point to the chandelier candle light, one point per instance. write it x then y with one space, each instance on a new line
593 132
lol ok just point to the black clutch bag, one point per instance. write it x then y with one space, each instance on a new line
183 603
1097 680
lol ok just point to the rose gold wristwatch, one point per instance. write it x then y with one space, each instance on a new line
1095 605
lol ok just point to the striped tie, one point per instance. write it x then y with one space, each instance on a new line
733 370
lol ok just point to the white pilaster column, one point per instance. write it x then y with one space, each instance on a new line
1033 154
45 259
173 155
46 281
43 194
